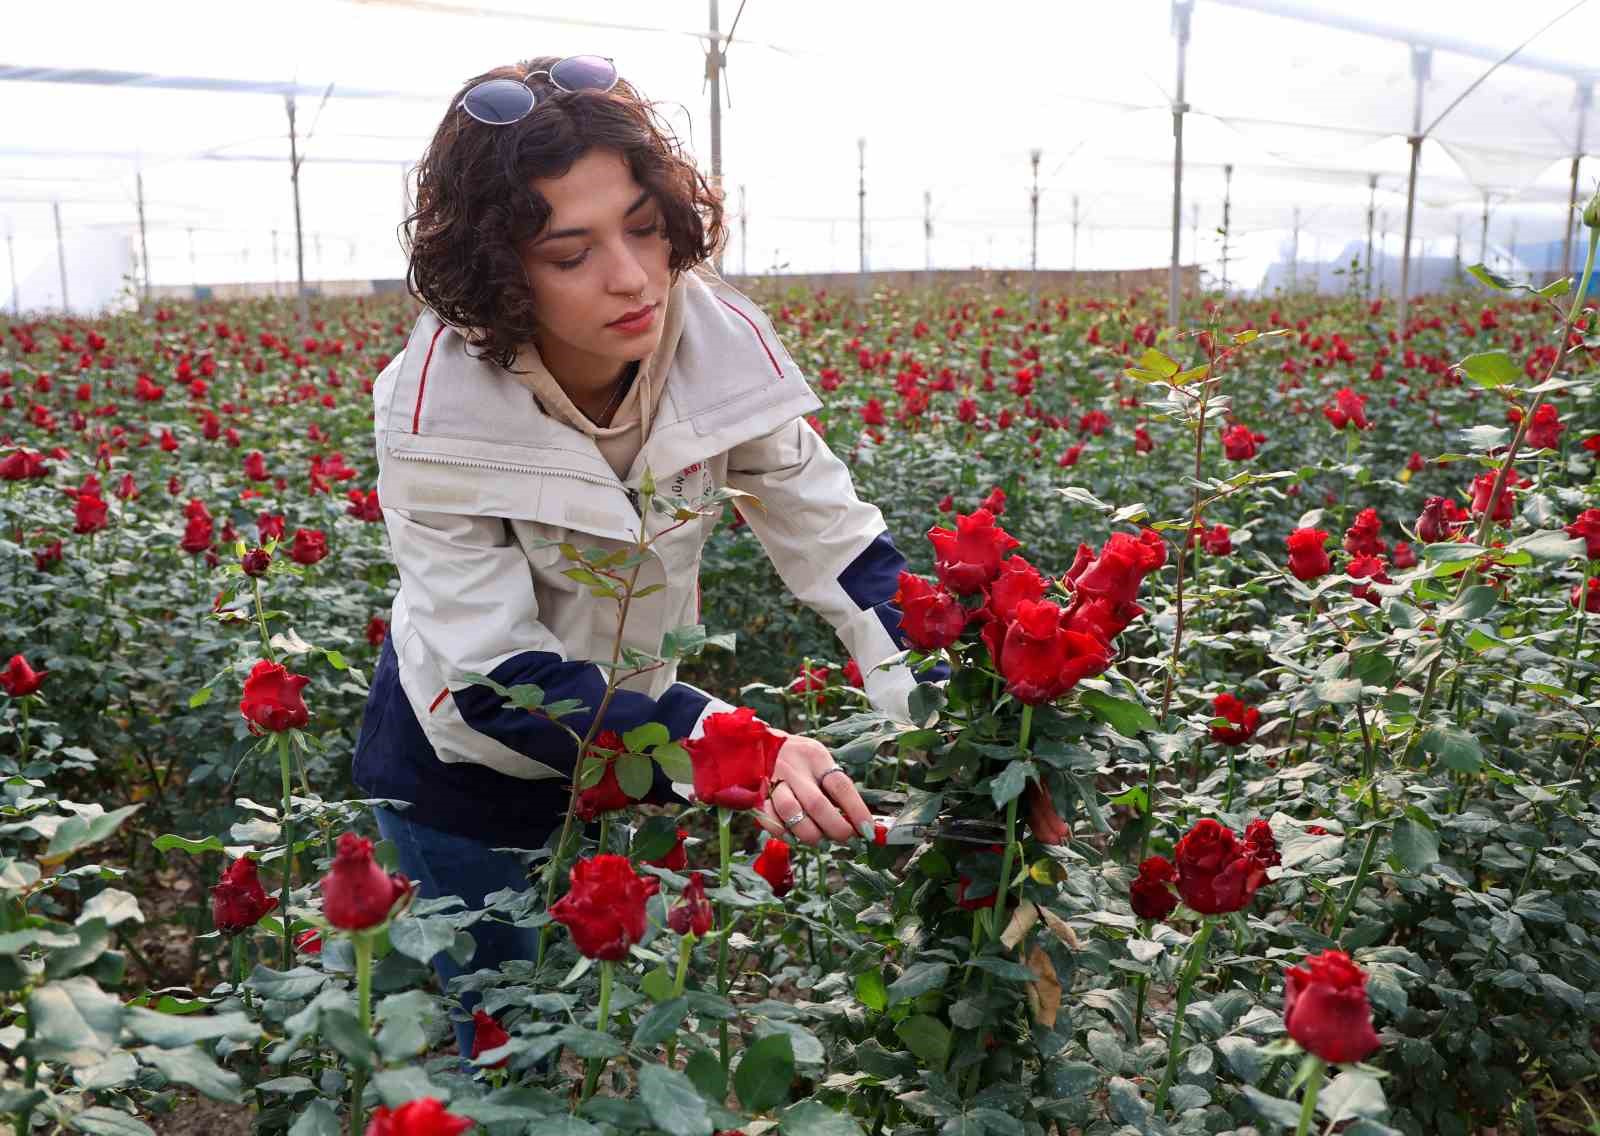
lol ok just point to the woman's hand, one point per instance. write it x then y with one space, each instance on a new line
826 802
1047 825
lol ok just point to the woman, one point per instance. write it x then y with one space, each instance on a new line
572 341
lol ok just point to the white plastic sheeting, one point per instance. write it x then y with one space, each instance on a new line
1303 104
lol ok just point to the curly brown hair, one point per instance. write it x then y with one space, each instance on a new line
475 202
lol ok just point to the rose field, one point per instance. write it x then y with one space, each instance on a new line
1294 617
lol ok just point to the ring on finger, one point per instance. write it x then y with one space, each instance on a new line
823 776
789 822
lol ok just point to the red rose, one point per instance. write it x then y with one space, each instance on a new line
930 617
1260 843
1544 432
677 859
605 795
772 865
364 505
198 534
1361 538
1347 407
310 942
733 759
1245 720
1325 1008
604 909
1415 463
1216 872
1069 456
969 558
488 1034
1368 568
1404 557
1117 573
356 892
852 673
1018 580
1217 540
1434 523
692 914
1149 895
309 546
810 681
19 679
377 630
1308 559
1589 600
272 698
89 514
995 502
269 526
1587 529
1483 486
1238 443
872 413
255 562
238 901
424 1116
22 465
50 554
1041 659
255 466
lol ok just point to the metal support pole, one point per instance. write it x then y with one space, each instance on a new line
1227 214
1421 58
1074 242
144 245
1458 248
299 234
1294 253
1181 10
927 233
744 236
1372 205
1383 253
714 62
61 256
1483 234
861 215
1033 254
1584 97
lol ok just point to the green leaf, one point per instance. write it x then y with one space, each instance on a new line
102 1121
1416 844
1008 784
1551 544
170 1030
655 838
672 1101
1275 1110
200 697
301 982
657 984
1474 603
74 1022
635 774
1126 717
764 1073
189 1066
170 841
871 992
1490 369
318 1119
641 738
1458 749
589 1043
1495 281
660 1022
1127 1106
422 938
1242 1056
78 832
674 762
918 979
813 1118
343 1031
1352 1094
1159 362
113 907
707 1074
1336 691
927 1037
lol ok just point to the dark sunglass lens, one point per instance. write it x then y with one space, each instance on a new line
498 102
584 73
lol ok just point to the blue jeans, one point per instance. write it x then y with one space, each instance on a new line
443 863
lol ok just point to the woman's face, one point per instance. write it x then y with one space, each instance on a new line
602 256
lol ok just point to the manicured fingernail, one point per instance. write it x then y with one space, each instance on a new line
865 829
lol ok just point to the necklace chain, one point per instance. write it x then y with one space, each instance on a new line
616 399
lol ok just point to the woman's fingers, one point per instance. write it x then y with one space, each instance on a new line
780 807
842 791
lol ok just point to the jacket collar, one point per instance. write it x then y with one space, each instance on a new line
727 380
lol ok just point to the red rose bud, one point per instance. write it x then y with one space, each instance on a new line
1216 872
1217 540
811 680
1245 720
1325 1008
256 562
89 514
1361 538
1117 573
772 865
255 466
488 1034
930 617
269 526
19 679
356 892
1587 599
1483 486
677 859
604 908
1308 559
995 502
852 673
272 698
1238 443
309 546
1368 568
1347 407
1149 895
425 1116
309 942
1544 432
1404 556
1587 529
967 559
1041 659
692 914
733 759
238 901
880 833
605 795
1415 463
1434 522
1261 844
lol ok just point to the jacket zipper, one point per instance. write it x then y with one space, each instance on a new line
510 467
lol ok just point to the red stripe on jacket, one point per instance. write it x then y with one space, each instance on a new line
416 415
757 330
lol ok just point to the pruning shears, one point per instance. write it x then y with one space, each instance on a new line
963 829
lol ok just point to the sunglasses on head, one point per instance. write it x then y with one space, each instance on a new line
500 102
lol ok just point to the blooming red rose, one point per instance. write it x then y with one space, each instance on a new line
308 547
1325 1008
198 534
1368 568
604 908
691 915
377 630
1117 573
1041 658
1069 456
1404 557
23 465
1149 895
1347 407
1018 580
1142 442
969 558
1216 872
364 506
773 866
272 698
930 617
255 562
1239 443
356 892
1261 844
1245 720
238 901
1544 432
19 679
1483 486
1217 540
89 514
605 795
269 526
1587 529
1588 600
733 759
1308 559
872 413
1361 538
488 1034
255 466
425 1116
